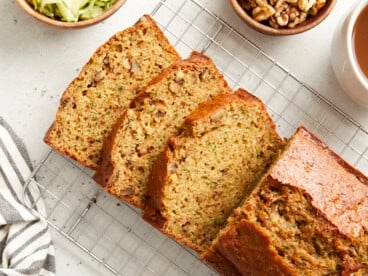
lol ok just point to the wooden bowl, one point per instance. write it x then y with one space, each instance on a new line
79 24
305 26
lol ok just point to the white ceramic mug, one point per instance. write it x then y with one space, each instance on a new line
344 63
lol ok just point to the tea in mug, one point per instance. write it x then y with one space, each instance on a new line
360 41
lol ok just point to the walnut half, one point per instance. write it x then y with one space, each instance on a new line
263 13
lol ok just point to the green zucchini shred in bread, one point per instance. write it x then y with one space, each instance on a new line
307 216
99 95
205 172
154 115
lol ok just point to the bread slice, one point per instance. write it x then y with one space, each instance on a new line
205 171
307 216
154 115
98 96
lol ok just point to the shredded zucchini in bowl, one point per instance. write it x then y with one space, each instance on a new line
71 10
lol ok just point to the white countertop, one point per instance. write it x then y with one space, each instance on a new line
37 62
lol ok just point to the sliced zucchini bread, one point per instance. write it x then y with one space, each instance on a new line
205 172
155 115
98 96
307 216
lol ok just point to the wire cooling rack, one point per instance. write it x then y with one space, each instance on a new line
111 231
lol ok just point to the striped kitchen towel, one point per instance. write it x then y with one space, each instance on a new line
25 243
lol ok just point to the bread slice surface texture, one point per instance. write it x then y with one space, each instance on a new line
154 115
204 173
307 216
98 96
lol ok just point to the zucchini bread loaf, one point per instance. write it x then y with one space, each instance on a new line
224 147
307 216
154 115
98 96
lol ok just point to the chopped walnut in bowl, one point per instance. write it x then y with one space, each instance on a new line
281 17
282 13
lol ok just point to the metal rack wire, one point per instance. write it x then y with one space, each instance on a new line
111 231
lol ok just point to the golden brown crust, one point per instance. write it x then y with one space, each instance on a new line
106 167
206 109
48 139
338 191
158 176
47 136
215 259
250 252
358 174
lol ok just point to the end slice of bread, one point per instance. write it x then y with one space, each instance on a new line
205 172
98 96
307 216
154 115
